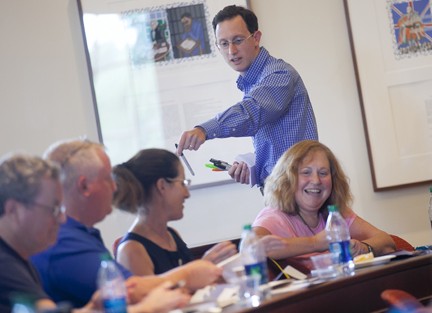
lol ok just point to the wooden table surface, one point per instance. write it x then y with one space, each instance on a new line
360 293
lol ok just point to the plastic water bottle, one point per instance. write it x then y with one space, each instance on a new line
22 308
112 286
253 255
23 304
338 236
430 205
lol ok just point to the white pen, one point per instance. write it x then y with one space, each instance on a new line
186 162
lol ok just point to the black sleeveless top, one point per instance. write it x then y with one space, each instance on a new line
163 260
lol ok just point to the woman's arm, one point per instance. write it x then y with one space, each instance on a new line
132 255
279 248
364 234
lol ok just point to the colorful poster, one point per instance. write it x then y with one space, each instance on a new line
411 24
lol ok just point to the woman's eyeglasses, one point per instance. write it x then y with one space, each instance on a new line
184 182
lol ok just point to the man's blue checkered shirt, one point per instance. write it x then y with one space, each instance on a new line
275 111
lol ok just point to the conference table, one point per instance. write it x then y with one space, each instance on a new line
359 293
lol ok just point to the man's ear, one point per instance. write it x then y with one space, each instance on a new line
10 206
257 37
83 185
11 210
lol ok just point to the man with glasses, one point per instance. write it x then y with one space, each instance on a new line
275 110
30 215
69 268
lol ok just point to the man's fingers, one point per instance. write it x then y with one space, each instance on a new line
182 143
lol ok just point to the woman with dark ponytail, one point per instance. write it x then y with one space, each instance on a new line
153 186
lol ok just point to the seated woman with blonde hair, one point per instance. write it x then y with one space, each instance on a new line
305 180
152 184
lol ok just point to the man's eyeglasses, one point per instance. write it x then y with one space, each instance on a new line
56 210
184 182
224 44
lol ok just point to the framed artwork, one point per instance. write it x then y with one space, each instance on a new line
156 72
391 43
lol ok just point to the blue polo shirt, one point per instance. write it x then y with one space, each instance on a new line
69 268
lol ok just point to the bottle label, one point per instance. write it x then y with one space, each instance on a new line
258 269
343 248
117 305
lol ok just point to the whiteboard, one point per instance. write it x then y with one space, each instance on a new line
148 89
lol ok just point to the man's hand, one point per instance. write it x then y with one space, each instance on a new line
219 252
191 140
161 299
240 172
197 274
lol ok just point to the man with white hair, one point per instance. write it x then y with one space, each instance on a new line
69 268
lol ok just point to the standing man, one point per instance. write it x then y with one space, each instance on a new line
69 268
275 110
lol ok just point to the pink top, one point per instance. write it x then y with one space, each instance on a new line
284 225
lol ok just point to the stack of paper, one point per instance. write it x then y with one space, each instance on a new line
249 159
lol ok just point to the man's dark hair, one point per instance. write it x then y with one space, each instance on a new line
232 11
186 14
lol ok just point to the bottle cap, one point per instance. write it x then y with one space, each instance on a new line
430 189
105 257
247 227
332 208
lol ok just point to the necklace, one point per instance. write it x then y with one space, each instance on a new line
307 225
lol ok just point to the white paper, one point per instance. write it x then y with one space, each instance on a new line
249 159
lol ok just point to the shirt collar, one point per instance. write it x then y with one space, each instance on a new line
254 70
74 223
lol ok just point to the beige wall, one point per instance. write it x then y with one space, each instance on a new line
45 96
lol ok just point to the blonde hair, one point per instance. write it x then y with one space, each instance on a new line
281 184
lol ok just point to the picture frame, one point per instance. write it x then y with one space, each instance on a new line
155 72
391 43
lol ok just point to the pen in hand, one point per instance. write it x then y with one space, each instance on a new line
186 162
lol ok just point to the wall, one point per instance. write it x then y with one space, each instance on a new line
45 96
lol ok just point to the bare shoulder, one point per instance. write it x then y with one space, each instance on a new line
131 247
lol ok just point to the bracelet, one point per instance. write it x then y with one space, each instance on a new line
368 246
